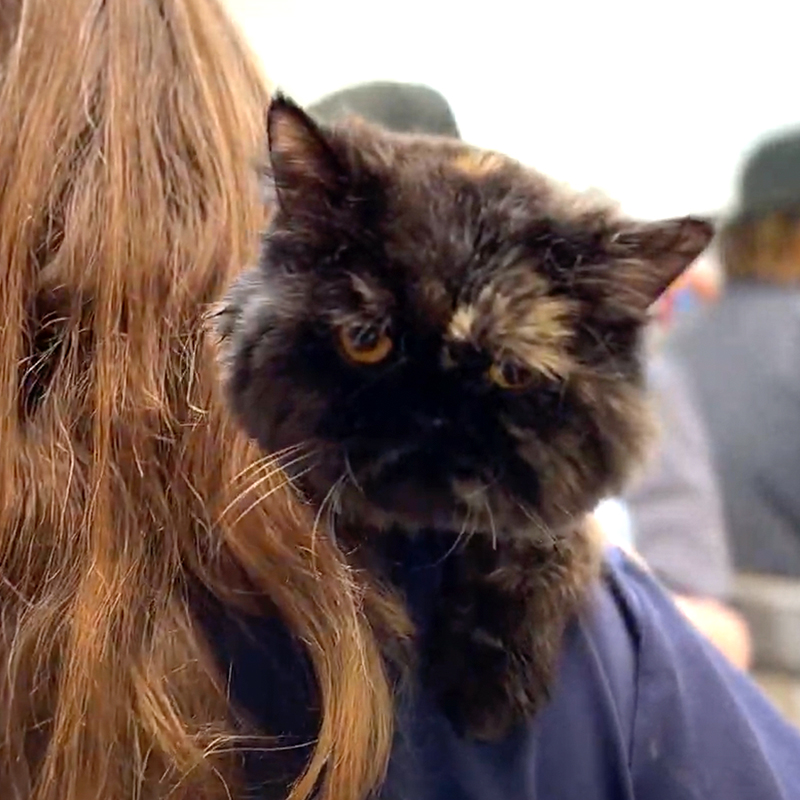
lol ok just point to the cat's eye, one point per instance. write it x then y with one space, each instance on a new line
511 375
365 344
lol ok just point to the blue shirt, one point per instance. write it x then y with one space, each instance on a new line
642 708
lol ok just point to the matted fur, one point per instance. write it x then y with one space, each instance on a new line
475 267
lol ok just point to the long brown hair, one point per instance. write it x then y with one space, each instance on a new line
130 136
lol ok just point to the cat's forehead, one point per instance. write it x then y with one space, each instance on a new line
449 208
441 163
513 312
433 163
517 313
455 227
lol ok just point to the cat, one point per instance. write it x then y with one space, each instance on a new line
438 338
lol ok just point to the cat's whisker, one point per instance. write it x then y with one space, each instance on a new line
281 457
271 473
488 506
350 472
475 525
531 517
321 510
292 480
260 464
465 524
459 538
472 523
335 509
269 459
260 499
275 455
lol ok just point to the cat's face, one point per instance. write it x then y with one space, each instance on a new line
451 337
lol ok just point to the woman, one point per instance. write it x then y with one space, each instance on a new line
165 608
742 355
128 500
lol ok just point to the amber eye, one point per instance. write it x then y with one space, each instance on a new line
508 374
365 344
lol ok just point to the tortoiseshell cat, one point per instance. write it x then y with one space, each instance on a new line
455 339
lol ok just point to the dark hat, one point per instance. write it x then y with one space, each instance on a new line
770 179
400 107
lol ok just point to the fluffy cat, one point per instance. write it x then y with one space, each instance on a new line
440 338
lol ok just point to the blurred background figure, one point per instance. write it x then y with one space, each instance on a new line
676 516
678 492
673 516
742 355
401 107
583 91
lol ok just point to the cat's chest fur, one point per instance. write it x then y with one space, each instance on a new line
489 616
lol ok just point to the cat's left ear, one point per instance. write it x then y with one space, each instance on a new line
649 256
305 169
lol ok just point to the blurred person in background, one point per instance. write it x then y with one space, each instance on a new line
742 357
672 516
400 107
676 516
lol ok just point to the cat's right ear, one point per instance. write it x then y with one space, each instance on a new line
305 169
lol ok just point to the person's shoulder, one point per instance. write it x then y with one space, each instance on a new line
700 727
637 594
590 711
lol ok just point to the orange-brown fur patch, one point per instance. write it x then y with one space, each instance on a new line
518 317
462 322
477 163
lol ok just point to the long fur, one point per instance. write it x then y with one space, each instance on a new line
474 266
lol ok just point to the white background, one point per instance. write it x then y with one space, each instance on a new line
653 102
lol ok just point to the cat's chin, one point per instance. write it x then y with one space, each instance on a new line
429 511
394 506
